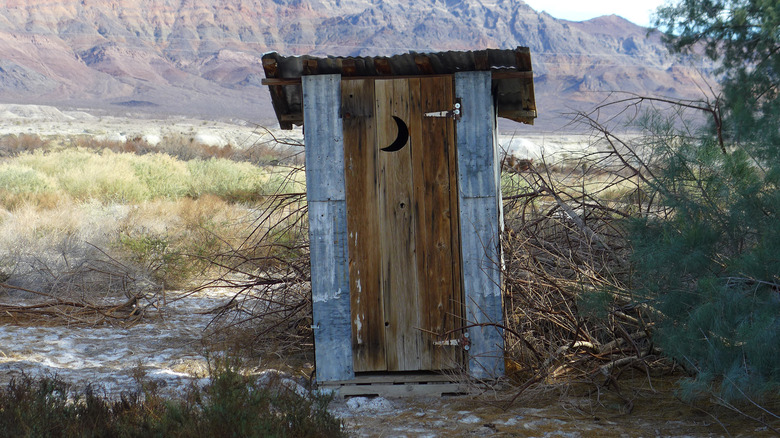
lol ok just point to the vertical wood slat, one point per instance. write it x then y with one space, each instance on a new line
479 198
323 129
440 295
397 237
418 147
459 308
327 227
360 155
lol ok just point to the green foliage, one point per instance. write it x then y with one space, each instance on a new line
710 266
165 176
595 304
172 256
156 255
708 260
742 35
232 405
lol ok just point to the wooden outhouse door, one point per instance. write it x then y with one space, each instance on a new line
402 223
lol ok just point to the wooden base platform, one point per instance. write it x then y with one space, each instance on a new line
398 385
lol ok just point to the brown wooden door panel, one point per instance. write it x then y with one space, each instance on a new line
397 216
402 222
360 161
438 283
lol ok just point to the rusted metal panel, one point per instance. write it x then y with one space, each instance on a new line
480 221
328 228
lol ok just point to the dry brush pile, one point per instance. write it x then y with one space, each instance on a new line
570 311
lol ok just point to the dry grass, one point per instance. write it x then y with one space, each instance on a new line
108 223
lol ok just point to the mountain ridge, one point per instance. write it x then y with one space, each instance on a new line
201 57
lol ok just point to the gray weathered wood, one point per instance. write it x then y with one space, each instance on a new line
323 137
476 146
480 222
327 227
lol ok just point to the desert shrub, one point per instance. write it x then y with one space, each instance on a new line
85 175
238 182
59 251
163 175
13 144
92 250
568 303
17 178
232 404
269 274
127 178
174 240
20 184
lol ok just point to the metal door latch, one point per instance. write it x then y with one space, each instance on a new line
454 113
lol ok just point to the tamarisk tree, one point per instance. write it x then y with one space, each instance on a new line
711 262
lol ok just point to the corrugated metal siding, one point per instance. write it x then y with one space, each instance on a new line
512 76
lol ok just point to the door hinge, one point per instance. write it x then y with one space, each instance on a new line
463 342
454 113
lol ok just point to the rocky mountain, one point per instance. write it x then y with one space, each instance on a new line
202 57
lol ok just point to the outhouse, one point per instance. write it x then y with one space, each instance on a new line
403 188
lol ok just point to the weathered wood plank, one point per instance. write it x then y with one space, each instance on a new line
482 283
480 222
439 294
420 150
396 378
360 155
476 153
327 228
330 290
397 231
323 137
459 309
402 390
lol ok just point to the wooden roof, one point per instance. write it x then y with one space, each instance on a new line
513 84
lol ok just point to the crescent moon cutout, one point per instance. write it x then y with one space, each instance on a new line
402 139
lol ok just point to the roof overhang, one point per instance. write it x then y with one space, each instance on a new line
513 83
